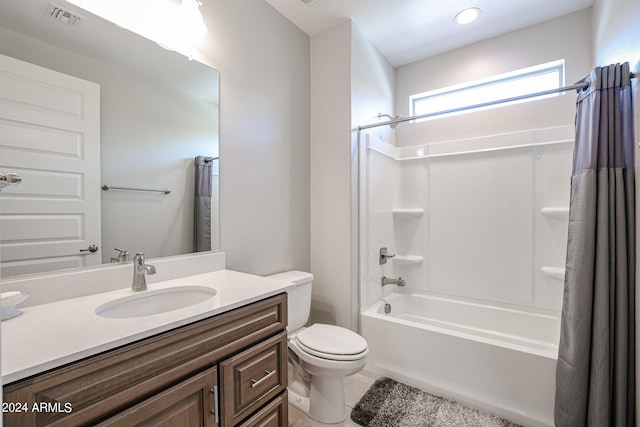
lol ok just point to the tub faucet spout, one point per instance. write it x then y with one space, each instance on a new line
388 281
140 271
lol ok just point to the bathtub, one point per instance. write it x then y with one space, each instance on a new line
498 359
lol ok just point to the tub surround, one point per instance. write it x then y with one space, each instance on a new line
436 207
60 331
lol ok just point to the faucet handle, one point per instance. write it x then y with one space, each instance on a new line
384 255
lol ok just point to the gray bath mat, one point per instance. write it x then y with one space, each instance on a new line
389 403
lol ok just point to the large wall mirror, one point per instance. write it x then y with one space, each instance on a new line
157 112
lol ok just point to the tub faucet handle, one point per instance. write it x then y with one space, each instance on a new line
389 281
384 255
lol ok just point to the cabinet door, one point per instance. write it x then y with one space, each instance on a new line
193 403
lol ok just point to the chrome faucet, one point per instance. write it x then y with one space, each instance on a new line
123 256
389 281
140 271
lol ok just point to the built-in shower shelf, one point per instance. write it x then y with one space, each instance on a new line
554 272
407 213
408 259
561 213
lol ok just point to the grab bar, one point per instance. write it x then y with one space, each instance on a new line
107 188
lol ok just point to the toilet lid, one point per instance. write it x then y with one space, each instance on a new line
331 342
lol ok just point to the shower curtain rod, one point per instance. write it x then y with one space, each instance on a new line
576 86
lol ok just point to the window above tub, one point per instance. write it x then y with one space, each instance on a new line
510 85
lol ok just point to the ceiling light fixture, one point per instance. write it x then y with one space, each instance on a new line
467 16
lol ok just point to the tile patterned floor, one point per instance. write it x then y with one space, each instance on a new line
355 386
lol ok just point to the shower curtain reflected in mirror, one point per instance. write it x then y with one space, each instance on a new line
202 204
595 373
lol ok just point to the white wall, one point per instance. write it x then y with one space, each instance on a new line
616 33
264 64
330 175
566 37
351 82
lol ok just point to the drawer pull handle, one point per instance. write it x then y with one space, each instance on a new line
256 383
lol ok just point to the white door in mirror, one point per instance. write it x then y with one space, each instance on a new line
50 136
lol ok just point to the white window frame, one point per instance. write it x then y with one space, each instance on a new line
511 84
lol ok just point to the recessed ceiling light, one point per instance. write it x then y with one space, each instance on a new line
467 16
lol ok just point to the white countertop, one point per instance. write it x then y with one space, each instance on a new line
50 335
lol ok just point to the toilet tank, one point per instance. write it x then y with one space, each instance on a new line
299 298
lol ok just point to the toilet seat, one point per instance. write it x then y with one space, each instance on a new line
332 342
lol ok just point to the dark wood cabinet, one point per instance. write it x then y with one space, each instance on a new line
186 376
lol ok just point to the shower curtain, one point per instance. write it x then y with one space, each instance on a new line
202 204
595 372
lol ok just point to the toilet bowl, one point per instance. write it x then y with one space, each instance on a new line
320 356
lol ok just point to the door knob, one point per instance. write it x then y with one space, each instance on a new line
91 248
9 179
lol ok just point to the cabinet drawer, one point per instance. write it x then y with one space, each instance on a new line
253 377
275 414
190 403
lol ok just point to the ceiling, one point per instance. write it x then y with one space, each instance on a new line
409 30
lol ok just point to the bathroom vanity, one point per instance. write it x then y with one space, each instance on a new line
222 362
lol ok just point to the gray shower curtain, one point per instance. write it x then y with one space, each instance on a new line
595 374
202 204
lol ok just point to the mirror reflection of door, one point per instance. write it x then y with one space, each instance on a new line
50 135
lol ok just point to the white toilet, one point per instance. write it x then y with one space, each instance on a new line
320 356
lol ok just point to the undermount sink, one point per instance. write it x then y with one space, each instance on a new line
158 301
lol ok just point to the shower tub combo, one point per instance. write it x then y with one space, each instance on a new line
500 360
479 231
